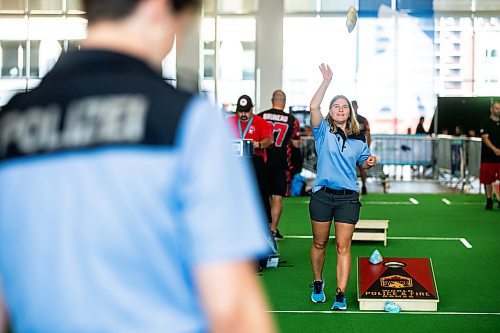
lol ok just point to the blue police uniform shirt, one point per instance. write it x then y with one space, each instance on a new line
102 225
337 158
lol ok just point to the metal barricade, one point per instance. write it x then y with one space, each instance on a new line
454 161
402 149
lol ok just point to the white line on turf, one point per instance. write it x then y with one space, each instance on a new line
379 202
462 240
466 243
385 203
446 201
426 238
414 201
402 312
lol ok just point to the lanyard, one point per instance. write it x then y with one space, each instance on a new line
246 129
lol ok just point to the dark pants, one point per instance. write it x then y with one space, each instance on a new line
262 181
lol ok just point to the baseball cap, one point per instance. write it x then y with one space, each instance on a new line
244 103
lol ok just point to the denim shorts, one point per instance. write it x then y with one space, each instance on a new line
325 207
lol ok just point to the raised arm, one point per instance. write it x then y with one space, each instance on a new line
316 115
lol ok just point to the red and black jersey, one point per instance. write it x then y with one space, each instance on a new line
285 128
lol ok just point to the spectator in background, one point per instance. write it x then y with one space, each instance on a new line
364 129
286 135
120 204
408 131
444 131
458 131
246 125
490 151
420 127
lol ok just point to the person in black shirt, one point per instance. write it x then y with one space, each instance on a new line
420 127
490 151
286 133
364 130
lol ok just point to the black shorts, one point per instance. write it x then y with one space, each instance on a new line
324 207
277 179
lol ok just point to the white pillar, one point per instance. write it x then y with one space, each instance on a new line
188 59
269 57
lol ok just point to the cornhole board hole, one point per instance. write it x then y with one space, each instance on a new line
408 282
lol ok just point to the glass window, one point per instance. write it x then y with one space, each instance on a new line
74 7
48 27
452 5
45 6
208 54
486 63
13 28
308 42
75 28
336 6
210 7
12 6
13 60
236 59
454 56
303 6
43 56
413 90
237 6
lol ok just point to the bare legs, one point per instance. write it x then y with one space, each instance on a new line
321 233
488 189
343 237
276 208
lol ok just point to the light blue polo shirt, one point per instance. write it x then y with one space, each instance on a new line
106 216
337 158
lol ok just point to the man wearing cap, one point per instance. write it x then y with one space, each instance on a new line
246 125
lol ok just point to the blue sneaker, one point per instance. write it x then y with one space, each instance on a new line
340 301
318 294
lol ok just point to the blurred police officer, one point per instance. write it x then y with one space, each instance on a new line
115 203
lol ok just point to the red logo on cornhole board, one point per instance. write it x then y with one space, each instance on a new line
396 278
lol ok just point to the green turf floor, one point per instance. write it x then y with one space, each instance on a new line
468 280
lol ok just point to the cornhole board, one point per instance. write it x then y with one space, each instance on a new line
408 282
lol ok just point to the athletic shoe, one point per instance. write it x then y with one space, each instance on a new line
277 235
318 293
340 301
489 204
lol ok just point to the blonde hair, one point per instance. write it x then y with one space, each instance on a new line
352 126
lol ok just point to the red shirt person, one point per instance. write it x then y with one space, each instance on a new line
246 125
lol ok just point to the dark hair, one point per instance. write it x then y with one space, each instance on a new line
495 100
97 10
352 126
